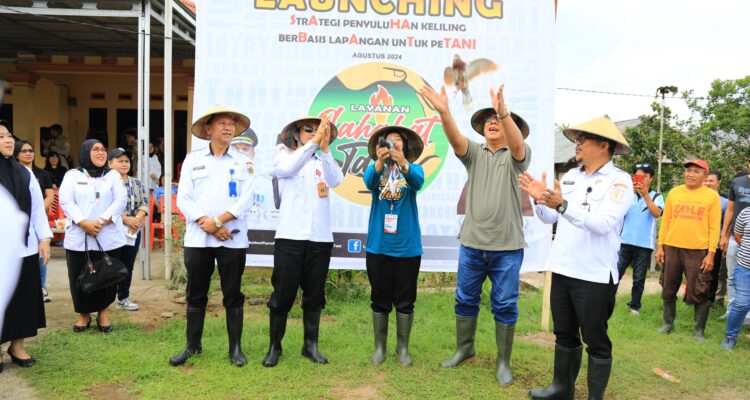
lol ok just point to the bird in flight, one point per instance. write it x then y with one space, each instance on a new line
459 74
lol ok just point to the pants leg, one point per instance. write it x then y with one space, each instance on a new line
594 303
43 272
504 268
721 292
732 250
288 261
129 253
472 271
231 263
564 317
714 287
698 282
199 264
625 258
405 283
741 305
641 263
380 273
314 274
671 275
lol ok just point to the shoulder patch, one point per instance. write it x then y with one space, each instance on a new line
620 184
617 194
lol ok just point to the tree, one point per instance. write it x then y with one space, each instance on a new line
721 122
678 146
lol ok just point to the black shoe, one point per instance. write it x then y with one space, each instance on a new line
234 331
598 376
23 363
103 328
79 329
566 367
277 328
311 323
194 332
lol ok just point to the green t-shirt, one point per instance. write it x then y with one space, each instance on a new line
494 220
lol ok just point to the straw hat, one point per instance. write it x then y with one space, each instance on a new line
287 134
241 121
477 121
248 137
413 143
603 127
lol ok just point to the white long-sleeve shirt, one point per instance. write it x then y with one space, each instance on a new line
78 199
587 240
38 222
304 215
204 191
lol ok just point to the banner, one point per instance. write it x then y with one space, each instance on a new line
362 63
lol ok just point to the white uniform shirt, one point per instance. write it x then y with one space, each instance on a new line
588 234
154 167
38 222
304 215
78 199
204 191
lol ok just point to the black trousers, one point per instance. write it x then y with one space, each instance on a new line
393 282
129 254
200 261
25 312
714 286
85 303
581 309
299 264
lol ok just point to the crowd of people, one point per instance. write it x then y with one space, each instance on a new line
612 214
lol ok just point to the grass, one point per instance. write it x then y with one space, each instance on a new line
74 366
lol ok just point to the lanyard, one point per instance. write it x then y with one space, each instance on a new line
96 183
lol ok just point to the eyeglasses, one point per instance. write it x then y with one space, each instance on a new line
308 128
99 149
582 137
27 151
644 165
491 117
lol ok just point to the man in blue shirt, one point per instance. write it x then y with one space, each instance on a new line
639 232
713 181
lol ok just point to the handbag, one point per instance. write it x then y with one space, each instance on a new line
102 273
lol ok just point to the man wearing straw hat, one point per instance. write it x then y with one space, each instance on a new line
215 193
491 235
302 249
589 206
394 239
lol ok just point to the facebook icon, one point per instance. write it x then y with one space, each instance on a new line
355 245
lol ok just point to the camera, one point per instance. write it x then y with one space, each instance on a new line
385 142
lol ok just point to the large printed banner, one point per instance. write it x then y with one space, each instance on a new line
362 63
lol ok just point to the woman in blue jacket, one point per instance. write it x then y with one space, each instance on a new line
394 240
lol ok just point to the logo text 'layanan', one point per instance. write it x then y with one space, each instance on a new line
380 102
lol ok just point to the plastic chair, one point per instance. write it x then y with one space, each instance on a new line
154 225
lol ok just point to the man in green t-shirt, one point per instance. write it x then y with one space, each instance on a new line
491 235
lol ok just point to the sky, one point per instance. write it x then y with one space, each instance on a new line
635 46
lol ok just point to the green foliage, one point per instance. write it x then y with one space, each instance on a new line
722 122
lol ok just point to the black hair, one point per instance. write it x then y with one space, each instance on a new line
7 125
51 154
19 145
712 171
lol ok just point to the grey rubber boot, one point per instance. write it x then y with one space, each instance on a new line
598 376
701 317
403 331
670 309
566 367
194 332
380 329
466 329
504 338
234 331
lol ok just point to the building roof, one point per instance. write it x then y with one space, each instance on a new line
89 28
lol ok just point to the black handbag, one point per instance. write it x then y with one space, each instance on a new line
102 273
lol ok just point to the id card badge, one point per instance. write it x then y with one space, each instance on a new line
391 223
322 190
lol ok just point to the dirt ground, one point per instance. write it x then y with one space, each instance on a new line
155 299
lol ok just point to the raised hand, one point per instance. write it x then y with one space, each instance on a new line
535 188
438 101
498 101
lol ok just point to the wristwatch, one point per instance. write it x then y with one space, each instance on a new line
217 222
562 207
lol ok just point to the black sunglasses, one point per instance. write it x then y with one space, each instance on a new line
308 128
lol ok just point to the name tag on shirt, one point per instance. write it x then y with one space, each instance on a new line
83 183
322 190
391 224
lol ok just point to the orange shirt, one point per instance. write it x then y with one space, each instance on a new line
691 219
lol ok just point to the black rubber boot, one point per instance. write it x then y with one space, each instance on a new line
234 331
701 317
504 338
466 329
277 328
380 329
403 332
311 322
670 309
598 374
567 365
194 332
